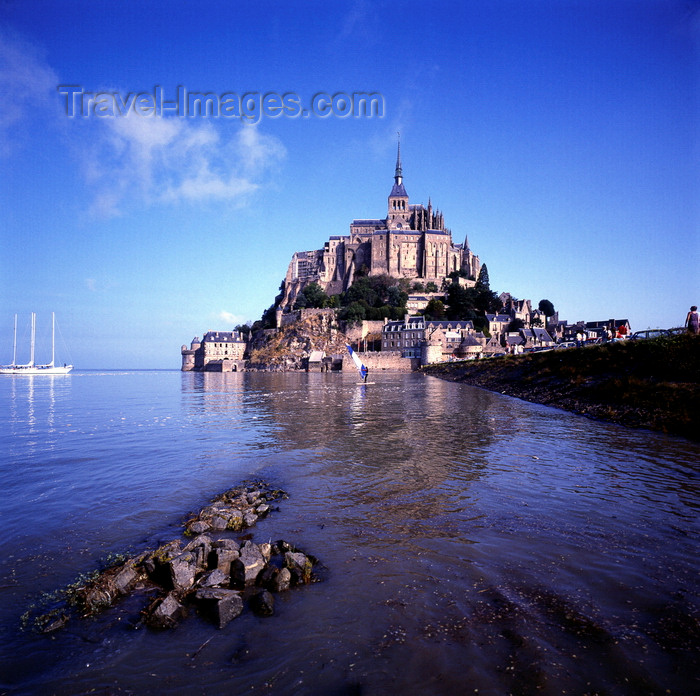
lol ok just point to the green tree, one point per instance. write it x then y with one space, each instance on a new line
461 302
312 296
243 330
546 307
516 325
361 291
435 309
267 321
481 323
417 287
431 287
353 313
486 299
396 297
482 282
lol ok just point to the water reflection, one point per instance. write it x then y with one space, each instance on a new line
473 542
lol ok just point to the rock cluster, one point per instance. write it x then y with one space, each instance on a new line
219 576
215 576
234 510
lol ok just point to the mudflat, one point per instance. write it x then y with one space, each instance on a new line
649 383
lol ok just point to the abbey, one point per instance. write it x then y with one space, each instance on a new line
410 242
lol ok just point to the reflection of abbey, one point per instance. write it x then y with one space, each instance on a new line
410 242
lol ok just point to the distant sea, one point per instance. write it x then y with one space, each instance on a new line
471 542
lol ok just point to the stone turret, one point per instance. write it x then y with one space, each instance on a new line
431 352
188 355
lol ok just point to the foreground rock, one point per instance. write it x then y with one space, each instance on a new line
216 577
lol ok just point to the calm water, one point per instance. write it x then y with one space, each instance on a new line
473 543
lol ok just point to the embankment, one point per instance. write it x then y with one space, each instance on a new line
652 383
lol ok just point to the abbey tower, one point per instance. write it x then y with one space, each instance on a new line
410 242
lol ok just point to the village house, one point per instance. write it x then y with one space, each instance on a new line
446 339
218 351
498 323
418 303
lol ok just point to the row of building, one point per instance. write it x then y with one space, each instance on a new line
425 341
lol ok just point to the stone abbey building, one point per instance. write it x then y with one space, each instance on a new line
410 242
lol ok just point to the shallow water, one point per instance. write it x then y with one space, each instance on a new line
472 543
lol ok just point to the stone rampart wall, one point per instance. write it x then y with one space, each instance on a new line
386 360
297 315
357 332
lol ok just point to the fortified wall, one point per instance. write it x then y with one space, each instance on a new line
383 361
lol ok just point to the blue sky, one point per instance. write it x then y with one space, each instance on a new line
561 137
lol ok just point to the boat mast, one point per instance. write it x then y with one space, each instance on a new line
14 345
53 330
31 350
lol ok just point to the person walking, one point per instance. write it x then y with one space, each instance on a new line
691 321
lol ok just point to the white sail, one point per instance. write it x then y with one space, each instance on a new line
362 369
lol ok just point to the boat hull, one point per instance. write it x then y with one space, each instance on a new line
35 370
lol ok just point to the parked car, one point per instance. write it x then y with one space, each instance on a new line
650 333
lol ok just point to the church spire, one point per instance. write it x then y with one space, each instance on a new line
398 175
399 212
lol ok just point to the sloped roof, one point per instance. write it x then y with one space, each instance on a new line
222 337
470 341
453 324
542 334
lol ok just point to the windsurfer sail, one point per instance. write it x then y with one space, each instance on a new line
362 368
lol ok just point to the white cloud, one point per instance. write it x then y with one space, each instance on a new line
26 85
233 319
171 160
133 160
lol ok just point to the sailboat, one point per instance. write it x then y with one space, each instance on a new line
30 368
359 364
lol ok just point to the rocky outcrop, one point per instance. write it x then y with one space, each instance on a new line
217 577
289 348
